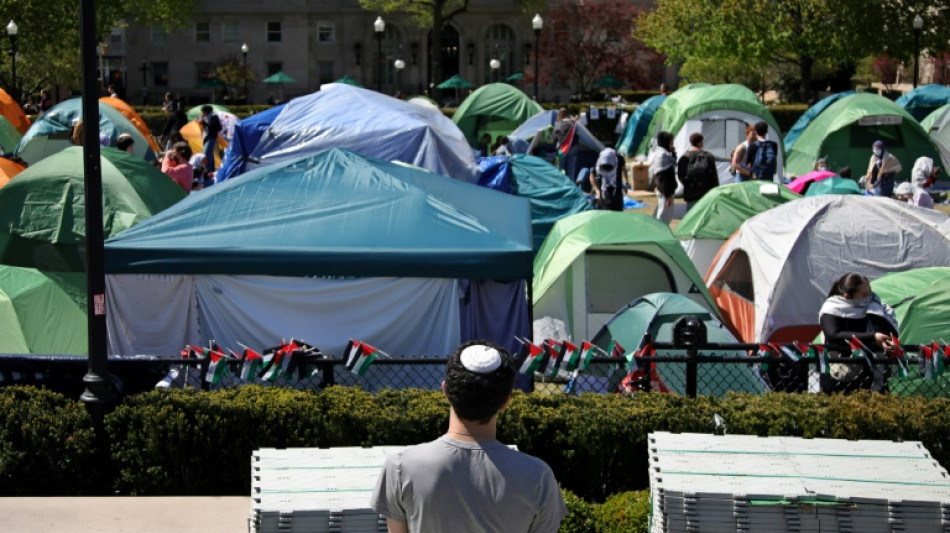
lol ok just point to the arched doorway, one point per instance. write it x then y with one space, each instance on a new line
500 45
449 55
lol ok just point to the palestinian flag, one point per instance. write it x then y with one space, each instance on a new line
766 352
556 349
571 358
859 350
251 364
272 364
534 356
790 351
938 355
568 141
587 353
191 352
925 361
818 353
615 349
359 357
898 352
289 358
217 366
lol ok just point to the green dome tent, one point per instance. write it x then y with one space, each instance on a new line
42 211
39 313
719 214
593 263
496 109
844 133
937 125
834 185
656 313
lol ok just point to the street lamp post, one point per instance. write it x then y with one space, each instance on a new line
536 24
12 30
244 50
379 27
918 29
494 64
399 64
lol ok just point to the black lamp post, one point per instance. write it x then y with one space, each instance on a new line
244 50
379 27
12 30
536 24
399 64
918 29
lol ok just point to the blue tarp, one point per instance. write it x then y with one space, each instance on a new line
552 194
334 214
806 118
924 100
247 134
638 125
368 123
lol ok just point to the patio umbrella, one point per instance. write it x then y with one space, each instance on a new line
280 79
455 82
212 83
349 81
517 76
609 82
39 313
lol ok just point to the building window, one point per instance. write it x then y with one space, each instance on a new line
202 32
325 70
160 73
203 71
392 50
325 32
274 32
232 32
159 36
500 45
273 67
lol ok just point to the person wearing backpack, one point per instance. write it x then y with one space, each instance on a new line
762 155
211 127
663 175
696 170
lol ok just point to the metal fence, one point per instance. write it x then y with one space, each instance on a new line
710 370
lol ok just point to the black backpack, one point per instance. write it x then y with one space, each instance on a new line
766 160
697 169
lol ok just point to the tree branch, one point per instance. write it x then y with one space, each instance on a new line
457 11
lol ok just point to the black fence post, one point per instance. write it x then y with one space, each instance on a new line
692 364
689 332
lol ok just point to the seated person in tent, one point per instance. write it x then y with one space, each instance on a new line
882 169
607 180
853 311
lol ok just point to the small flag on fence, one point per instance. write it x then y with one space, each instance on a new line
359 357
534 356
587 353
790 351
898 351
615 349
938 362
765 351
572 357
217 365
251 364
818 353
859 350
556 350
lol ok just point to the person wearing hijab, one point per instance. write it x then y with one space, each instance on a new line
922 177
606 181
663 175
882 169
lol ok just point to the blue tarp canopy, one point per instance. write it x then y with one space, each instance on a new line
809 115
638 125
924 100
368 123
552 194
336 213
247 134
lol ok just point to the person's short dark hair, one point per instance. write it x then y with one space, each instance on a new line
124 141
847 285
696 139
665 139
475 396
761 128
183 150
206 109
844 172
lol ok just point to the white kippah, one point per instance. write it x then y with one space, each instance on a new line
480 359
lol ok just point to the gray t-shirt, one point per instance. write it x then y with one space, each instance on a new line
450 485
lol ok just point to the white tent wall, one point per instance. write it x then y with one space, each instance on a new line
702 252
722 132
155 314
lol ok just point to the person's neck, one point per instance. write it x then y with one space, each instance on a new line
471 430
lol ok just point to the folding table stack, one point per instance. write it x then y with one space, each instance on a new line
315 490
737 483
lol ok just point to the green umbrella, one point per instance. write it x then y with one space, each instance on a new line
517 76
212 83
39 313
349 81
280 77
195 112
833 185
43 210
455 82
609 82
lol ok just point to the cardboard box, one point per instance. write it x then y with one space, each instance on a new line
640 176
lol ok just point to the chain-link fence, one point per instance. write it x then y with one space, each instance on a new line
712 370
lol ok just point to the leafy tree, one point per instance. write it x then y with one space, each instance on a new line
231 71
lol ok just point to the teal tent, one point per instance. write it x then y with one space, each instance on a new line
655 314
39 312
50 133
809 115
9 136
844 133
835 185
635 132
43 210
495 109
924 100
937 125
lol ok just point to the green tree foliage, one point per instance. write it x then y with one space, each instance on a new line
232 72
48 38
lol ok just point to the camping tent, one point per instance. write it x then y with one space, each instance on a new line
225 116
583 152
13 112
800 184
937 125
43 213
369 123
924 100
9 136
495 109
721 113
771 277
324 249
8 170
638 125
921 301
803 121
51 132
719 214
552 195
247 134
38 313
844 133
655 314
129 112
834 185
596 262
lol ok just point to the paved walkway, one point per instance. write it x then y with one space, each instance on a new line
125 515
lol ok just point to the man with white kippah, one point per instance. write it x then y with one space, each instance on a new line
466 480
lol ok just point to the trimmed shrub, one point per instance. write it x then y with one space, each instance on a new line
627 512
580 514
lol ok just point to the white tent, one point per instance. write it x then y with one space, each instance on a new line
770 279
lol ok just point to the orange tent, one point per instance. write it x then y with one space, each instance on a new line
192 134
14 113
8 169
121 106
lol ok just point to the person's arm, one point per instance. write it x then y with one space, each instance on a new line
681 165
395 526
667 184
834 330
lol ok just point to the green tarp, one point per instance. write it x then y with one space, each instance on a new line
39 313
336 213
496 109
844 133
42 211
722 210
